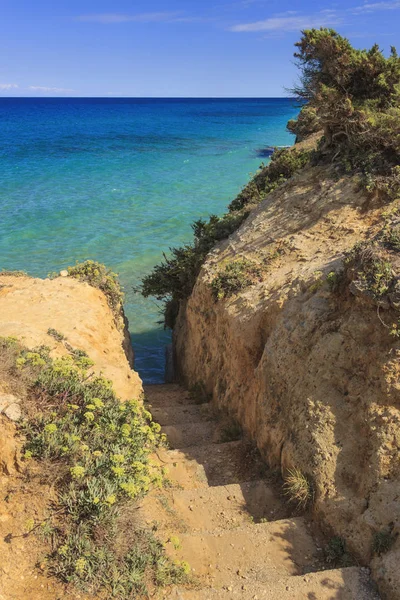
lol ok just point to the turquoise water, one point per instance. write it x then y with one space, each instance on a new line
120 181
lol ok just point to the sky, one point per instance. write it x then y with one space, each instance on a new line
174 48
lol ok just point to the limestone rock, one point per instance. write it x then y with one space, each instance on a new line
13 412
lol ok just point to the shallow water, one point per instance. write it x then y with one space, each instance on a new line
120 181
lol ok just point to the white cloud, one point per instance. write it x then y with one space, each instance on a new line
110 18
291 22
8 86
56 90
376 6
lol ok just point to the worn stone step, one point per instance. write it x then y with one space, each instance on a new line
213 464
184 435
176 414
255 553
212 509
350 583
169 394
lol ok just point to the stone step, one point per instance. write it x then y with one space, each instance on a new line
177 414
256 553
184 435
350 583
169 394
212 464
212 509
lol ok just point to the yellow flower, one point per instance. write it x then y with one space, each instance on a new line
118 471
77 472
63 550
51 428
97 402
96 500
118 458
84 447
126 429
89 416
27 455
97 453
111 499
80 566
90 407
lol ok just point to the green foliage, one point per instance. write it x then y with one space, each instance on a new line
96 452
174 279
298 488
353 97
383 540
336 553
283 165
234 277
57 335
99 276
14 273
369 265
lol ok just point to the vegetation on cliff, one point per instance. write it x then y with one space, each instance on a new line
353 97
94 450
353 100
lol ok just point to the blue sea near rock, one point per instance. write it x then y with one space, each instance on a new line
120 181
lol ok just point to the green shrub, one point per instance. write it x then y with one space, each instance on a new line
336 553
99 276
57 335
173 280
284 164
383 541
370 265
234 277
95 450
353 97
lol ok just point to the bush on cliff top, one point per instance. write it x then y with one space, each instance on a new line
353 97
95 450
99 276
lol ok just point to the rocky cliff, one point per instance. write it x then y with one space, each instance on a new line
67 316
309 367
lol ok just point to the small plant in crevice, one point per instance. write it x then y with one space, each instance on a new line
298 488
383 540
231 431
234 277
336 553
96 451
57 335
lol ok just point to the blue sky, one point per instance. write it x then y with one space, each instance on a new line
171 48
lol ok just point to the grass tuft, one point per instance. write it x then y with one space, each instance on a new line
298 488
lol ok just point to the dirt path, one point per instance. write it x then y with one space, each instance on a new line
223 515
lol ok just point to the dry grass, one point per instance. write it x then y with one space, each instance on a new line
298 488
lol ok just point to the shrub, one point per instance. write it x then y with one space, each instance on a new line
99 276
284 164
96 452
336 552
173 280
57 335
369 265
298 488
353 97
383 541
234 277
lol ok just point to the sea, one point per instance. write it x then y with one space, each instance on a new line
120 180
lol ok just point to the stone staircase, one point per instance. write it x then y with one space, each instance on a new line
223 515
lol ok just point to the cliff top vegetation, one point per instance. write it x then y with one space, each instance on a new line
351 98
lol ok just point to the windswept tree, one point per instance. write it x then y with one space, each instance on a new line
353 97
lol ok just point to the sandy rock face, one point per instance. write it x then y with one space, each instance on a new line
311 375
29 307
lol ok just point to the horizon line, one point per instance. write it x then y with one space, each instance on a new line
109 97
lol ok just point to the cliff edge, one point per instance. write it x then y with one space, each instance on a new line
306 359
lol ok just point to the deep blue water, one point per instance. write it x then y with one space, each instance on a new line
120 181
